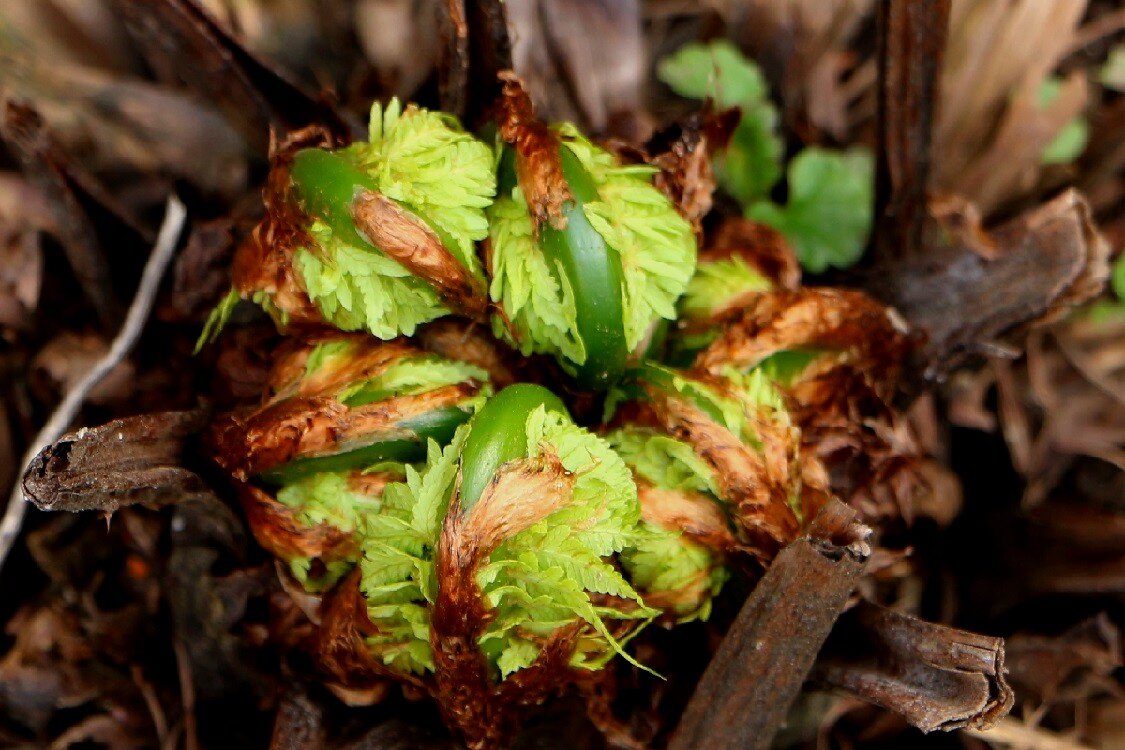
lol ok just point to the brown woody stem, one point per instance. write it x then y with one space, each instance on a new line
912 36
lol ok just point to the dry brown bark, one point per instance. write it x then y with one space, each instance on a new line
124 462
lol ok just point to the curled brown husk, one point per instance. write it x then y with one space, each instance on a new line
843 400
277 528
264 262
410 241
538 168
303 417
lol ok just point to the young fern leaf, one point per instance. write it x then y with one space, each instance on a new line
377 236
586 255
538 569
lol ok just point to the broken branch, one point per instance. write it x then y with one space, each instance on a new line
745 694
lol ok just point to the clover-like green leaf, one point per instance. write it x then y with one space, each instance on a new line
828 214
751 164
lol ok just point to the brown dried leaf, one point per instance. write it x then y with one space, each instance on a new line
127 461
756 485
760 245
264 262
800 45
66 359
47 667
248 444
201 274
870 337
340 644
1074 666
583 61
104 729
693 513
183 43
870 451
368 358
115 124
1066 401
65 186
686 178
453 56
520 495
991 131
302 416
21 276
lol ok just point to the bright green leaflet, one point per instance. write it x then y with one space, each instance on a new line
1109 310
1112 74
717 70
217 320
328 499
357 289
828 214
663 460
716 283
397 569
541 576
410 376
786 366
1117 279
659 560
655 245
1071 140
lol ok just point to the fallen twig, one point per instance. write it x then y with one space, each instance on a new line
162 253
934 676
972 289
127 461
746 692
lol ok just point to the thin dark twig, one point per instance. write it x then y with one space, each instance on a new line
155 710
187 694
158 261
